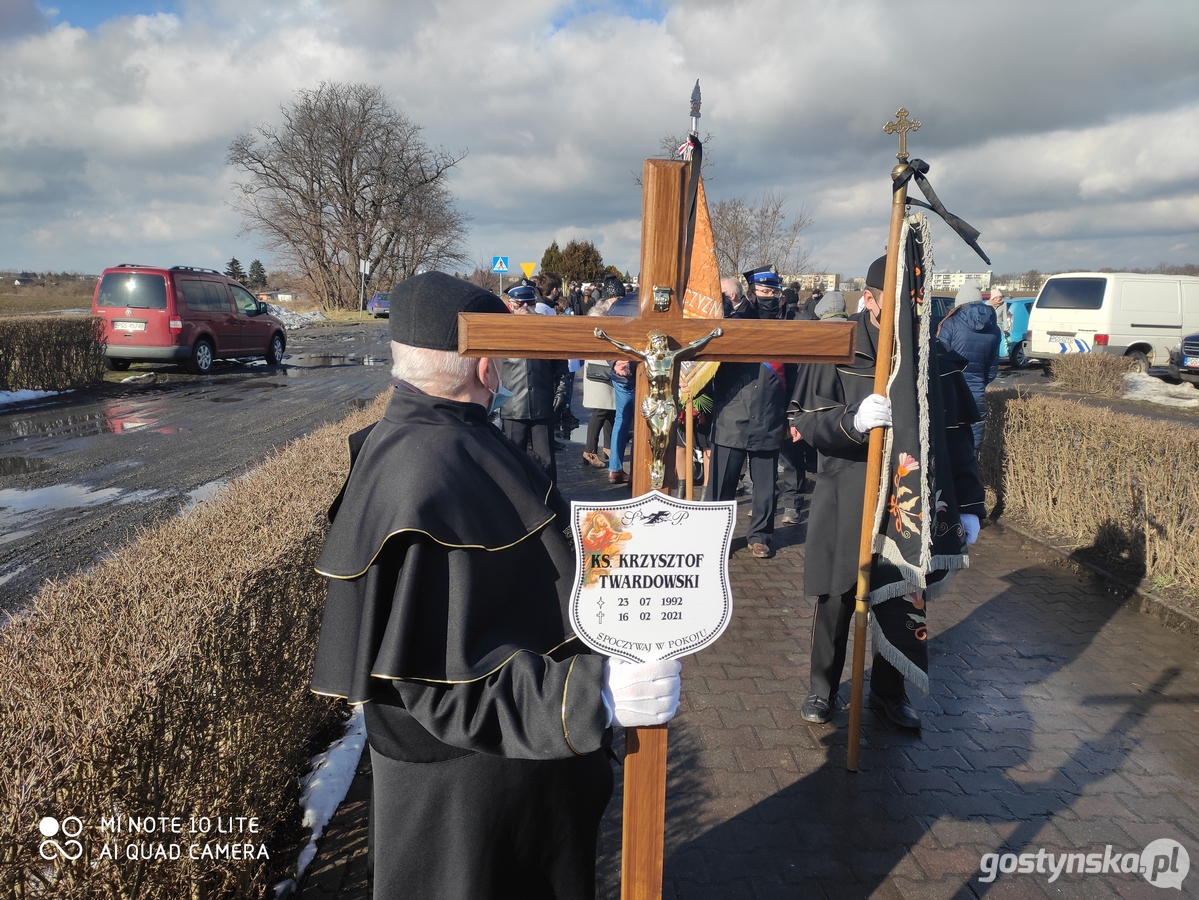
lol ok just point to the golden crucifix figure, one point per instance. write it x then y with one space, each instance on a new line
659 408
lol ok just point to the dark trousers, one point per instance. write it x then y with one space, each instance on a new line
725 472
830 635
600 419
535 437
793 461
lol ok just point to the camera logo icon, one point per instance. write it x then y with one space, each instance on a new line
70 827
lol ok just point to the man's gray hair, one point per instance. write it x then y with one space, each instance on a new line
439 372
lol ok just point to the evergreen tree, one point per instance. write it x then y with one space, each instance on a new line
614 272
256 280
551 260
235 271
581 261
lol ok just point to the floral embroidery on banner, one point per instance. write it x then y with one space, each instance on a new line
917 623
905 512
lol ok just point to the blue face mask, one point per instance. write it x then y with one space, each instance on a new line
498 398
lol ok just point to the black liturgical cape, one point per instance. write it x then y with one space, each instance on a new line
449 572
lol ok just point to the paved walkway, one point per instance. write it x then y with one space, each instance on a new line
1058 720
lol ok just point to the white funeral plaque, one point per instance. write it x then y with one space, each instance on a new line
652 580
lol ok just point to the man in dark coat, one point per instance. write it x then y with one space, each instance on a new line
447 616
527 417
834 409
971 330
749 406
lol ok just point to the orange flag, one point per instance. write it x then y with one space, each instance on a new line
701 299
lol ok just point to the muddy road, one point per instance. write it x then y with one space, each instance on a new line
79 474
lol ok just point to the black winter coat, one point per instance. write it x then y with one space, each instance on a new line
531 382
971 331
822 409
749 403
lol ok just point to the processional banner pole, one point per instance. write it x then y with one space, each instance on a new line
874 458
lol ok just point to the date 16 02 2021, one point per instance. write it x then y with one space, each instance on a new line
645 616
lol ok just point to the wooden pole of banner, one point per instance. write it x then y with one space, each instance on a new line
874 458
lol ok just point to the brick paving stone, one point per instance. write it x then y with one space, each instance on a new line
1057 719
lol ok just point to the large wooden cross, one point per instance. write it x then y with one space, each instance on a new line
663 245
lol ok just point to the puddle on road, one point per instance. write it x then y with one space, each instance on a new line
204 492
119 417
223 399
296 364
11 536
58 496
22 465
12 573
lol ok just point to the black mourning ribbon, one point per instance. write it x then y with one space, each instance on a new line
916 169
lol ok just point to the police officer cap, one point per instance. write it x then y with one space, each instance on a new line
613 287
522 293
765 276
877 274
424 309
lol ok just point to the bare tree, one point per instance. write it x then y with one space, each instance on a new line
347 179
759 233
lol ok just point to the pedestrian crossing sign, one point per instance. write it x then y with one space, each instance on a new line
499 264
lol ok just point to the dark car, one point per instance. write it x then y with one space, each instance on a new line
379 305
182 314
1184 360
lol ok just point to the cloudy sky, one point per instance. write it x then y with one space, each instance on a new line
1067 132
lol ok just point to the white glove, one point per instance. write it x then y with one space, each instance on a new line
873 412
970 524
638 694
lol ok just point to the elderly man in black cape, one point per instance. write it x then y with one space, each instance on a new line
449 570
833 407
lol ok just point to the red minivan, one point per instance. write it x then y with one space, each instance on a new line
182 314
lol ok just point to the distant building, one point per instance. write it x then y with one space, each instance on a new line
952 281
857 284
826 281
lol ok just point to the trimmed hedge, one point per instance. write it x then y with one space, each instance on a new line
51 353
172 680
1118 485
1091 373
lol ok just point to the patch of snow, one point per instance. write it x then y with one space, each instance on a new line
7 397
1154 390
293 319
324 787
146 378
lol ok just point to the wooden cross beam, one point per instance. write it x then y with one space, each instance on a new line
663 244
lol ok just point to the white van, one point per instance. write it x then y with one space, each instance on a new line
1139 316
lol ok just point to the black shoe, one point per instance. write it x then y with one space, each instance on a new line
816 710
898 710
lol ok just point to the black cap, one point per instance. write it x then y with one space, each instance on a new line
613 287
424 309
877 273
766 276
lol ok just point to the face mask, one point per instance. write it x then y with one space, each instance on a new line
498 398
768 307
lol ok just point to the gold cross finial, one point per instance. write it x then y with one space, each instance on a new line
903 126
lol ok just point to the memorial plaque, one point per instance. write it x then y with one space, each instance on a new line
652 580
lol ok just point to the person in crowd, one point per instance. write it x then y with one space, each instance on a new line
832 306
549 287
834 409
527 416
575 301
749 404
623 377
447 616
970 329
792 308
600 403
